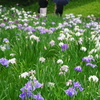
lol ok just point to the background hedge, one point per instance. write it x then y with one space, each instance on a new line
20 2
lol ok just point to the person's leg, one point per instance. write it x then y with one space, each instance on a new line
55 8
43 12
59 9
39 10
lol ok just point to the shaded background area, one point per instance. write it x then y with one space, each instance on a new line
20 2
31 2
84 7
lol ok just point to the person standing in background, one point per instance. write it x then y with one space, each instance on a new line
42 7
60 6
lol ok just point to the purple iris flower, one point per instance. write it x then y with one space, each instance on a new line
88 59
2 25
12 15
78 68
16 21
53 23
36 85
78 85
5 19
28 28
52 28
38 97
92 65
5 40
64 47
10 22
71 91
4 61
23 95
69 25
20 26
98 18
31 86
26 94
27 87
42 31
44 19
33 30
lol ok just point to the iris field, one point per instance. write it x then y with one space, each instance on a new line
48 58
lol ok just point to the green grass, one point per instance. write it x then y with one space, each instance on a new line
84 7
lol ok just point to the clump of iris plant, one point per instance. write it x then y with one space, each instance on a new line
72 91
92 65
27 90
88 61
30 87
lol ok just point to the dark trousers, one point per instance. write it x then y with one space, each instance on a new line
59 9
38 10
